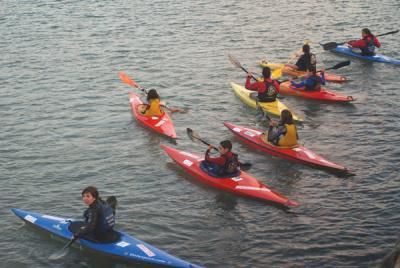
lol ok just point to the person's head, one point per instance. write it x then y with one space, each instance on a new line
306 49
225 146
365 32
286 117
266 72
90 195
152 94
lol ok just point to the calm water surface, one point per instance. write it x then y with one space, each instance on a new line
66 123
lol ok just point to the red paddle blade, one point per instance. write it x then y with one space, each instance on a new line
126 79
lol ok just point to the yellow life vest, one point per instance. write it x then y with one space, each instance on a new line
154 108
290 138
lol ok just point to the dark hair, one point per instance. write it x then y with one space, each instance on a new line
226 144
152 94
312 69
286 117
306 49
92 190
266 72
366 31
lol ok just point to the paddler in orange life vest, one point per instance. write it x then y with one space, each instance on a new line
153 108
267 89
226 164
284 132
367 44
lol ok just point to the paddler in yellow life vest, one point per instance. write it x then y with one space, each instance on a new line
153 108
284 132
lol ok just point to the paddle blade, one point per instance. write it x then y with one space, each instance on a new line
245 166
277 73
340 65
330 45
189 132
59 254
234 61
127 80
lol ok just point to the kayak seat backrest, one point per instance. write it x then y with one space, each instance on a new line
213 170
111 237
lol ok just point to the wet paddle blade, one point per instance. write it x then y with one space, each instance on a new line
127 80
234 61
245 166
340 65
59 254
330 45
64 251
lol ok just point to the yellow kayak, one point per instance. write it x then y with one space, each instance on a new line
272 108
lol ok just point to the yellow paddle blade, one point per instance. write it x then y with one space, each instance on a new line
276 73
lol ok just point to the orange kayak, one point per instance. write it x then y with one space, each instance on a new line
321 95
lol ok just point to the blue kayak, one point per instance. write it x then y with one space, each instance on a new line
126 249
345 50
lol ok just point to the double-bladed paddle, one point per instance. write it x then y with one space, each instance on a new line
194 136
333 45
237 64
62 252
128 80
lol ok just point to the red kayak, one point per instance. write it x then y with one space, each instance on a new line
321 95
256 139
242 184
160 124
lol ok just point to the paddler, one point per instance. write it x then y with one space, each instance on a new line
153 107
366 44
305 61
99 218
312 81
227 164
284 132
267 89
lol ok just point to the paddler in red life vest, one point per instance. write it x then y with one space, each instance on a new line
267 89
227 164
312 81
367 44
284 132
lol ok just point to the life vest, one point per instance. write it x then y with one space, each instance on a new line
106 216
369 49
154 108
269 93
231 165
304 62
315 83
290 138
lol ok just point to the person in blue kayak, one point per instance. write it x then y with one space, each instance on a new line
284 132
227 164
312 81
366 44
99 218
305 61
267 89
